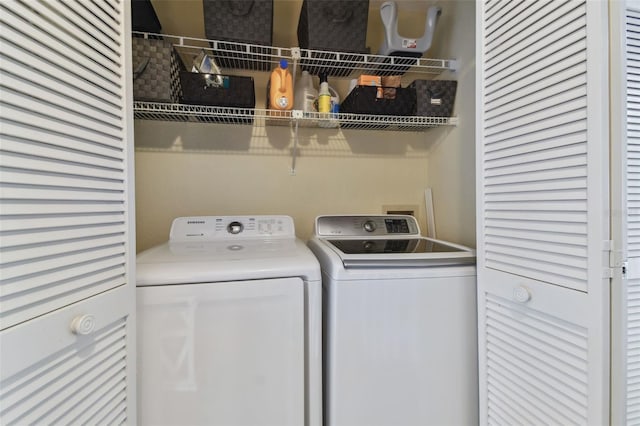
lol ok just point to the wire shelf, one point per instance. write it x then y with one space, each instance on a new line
234 55
266 117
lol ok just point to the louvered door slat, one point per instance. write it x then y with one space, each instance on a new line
633 137
66 279
68 106
19 115
539 246
549 138
543 386
83 386
543 231
549 74
103 166
28 176
49 108
40 266
534 31
500 13
93 26
65 40
632 388
541 195
564 123
66 228
112 392
17 169
69 61
22 73
551 71
32 254
16 207
531 163
61 74
540 93
536 267
36 223
109 9
61 287
58 146
95 414
74 177
529 235
104 355
47 193
529 397
106 340
631 200
55 236
13 61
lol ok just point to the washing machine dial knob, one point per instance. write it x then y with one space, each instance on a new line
235 228
369 226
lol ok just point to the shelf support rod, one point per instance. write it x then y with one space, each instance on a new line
296 115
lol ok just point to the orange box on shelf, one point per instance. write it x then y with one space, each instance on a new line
371 80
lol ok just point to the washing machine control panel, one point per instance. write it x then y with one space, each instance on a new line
365 226
213 228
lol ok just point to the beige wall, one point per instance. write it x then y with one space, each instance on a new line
451 163
209 169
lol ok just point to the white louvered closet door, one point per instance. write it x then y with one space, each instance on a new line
625 62
632 193
542 193
67 259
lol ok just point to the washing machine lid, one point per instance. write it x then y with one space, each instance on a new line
399 252
387 241
227 248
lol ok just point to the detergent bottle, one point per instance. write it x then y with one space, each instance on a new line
324 96
305 94
328 102
281 87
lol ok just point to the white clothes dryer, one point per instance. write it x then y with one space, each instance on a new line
400 324
229 325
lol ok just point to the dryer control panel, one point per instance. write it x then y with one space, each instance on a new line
366 226
214 228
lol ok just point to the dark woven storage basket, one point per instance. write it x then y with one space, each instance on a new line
238 93
156 65
335 26
363 100
243 21
434 98
143 17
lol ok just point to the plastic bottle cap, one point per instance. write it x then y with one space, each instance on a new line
284 64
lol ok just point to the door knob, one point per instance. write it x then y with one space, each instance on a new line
83 324
521 294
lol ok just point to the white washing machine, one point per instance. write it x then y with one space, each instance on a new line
400 324
229 325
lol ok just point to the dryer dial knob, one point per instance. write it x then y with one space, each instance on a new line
369 226
235 228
